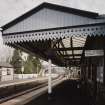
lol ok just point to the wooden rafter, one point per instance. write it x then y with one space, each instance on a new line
62 44
73 59
83 52
67 49
71 44
69 55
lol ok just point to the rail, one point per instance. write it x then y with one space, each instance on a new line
22 93
42 85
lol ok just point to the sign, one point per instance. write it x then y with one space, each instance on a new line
94 53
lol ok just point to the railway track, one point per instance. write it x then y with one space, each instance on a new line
22 92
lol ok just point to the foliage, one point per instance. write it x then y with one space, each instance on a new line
32 65
8 59
16 61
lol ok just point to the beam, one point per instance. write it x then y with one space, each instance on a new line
71 43
56 42
63 46
83 52
74 63
74 48
66 49
72 59
69 55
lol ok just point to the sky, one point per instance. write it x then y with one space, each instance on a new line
10 9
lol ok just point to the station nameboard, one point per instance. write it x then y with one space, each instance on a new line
94 53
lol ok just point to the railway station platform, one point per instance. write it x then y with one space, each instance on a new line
32 94
10 88
64 92
19 82
68 92
71 38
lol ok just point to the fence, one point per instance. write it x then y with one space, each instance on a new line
17 76
22 76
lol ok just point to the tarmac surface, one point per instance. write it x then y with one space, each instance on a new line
66 93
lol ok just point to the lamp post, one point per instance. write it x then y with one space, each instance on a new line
22 70
49 78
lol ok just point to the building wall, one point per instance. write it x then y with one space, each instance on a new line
6 74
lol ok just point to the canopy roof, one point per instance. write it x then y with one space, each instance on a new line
54 7
55 32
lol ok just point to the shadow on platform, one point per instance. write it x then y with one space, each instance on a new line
67 93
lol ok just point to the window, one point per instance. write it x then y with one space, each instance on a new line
8 72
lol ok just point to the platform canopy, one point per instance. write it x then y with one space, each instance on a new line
55 32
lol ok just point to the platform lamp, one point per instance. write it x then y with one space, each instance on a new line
22 69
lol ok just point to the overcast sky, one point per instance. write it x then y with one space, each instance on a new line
10 9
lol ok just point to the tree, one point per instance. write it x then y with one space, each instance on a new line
8 59
37 64
32 65
17 61
28 66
